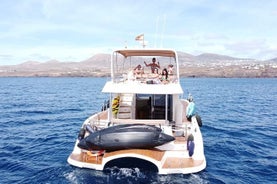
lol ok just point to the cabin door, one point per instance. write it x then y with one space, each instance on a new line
149 106
159 104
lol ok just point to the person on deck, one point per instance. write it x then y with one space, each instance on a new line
138 70
153 65
190 111
164 78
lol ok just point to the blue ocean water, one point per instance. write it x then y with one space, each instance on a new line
41 117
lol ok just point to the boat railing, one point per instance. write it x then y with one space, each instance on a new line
98 120
147 78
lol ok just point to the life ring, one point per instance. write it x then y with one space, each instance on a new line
115 105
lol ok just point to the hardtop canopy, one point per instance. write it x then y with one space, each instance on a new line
144 52
147 52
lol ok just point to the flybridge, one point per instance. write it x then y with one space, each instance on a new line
147 52
125 60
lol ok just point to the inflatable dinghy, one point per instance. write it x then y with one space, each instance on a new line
130 136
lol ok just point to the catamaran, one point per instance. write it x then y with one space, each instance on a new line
145 118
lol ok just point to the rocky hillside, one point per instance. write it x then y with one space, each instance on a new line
204 65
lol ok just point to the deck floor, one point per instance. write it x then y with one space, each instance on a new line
169 162
174 162
84 157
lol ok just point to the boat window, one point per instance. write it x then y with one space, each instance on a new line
150 106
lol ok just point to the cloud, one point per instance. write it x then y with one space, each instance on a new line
45 53
37 30
259 49
6 57
246 46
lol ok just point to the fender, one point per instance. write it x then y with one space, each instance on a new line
89 129
190 144
81 133
199 120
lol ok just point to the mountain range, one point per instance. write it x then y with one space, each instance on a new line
204 65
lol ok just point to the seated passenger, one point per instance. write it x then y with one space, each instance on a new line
164 77
156 77
138 70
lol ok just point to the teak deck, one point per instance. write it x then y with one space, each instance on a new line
169 163
84 157
158 155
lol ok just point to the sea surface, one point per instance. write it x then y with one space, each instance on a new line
41 117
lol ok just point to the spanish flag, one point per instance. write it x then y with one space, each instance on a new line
140 37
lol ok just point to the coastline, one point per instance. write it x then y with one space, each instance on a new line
205 65
197 72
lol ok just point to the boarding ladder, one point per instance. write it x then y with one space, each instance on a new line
126 106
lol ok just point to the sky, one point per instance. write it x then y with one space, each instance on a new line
75 30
